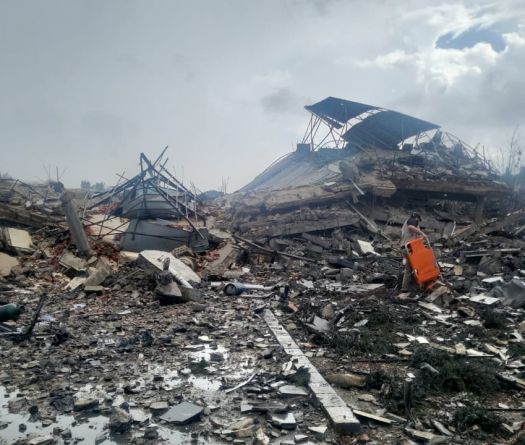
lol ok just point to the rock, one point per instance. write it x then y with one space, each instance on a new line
347 380
319 325
100 438
364 248
85 404
300 438
120 421
466 311
441 428
42 440
292 391
197 307
70 261
261 438
97 276
319 431
328 312
151 433
7 263
286 421
426 436
93 289
139 416
267 353
243 427
512 293
182 413
216 357
158 407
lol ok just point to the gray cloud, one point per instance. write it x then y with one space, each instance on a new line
281 100
88 85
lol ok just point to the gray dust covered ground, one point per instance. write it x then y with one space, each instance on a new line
148 313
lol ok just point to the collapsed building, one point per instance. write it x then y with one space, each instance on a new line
366 154
152 313
153 210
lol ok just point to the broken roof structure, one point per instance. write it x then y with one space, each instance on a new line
157 211
351 149
361 125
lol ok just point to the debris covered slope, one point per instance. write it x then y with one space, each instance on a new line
152 313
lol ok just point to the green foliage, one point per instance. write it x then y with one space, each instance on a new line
493 319
96 187
517 349
476 415
199 368
456 373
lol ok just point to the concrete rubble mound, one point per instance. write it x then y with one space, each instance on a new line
153 313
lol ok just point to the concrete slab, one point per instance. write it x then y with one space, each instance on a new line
182 273
7 262
17 239
341 416
286 421
292 391
71 261
182 413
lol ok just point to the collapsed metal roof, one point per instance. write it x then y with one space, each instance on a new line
365 125
338 111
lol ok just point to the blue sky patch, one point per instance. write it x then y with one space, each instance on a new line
492 35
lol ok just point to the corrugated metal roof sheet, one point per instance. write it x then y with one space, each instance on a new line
386 129
338 111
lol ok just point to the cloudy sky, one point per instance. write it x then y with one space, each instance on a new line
88 85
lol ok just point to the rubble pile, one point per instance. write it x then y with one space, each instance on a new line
151 313
32 205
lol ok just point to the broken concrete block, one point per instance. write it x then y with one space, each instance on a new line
426 436
85 404
42 440
182 413
334 406
364 248
7 262
155 259
347 380
484 299
261 438
93 289
75 283
319 324
292 391
16 239
319 431
286 421
101 271
512 294
226 257
243 427
71 261
437 294
119 421
328 311
158 407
